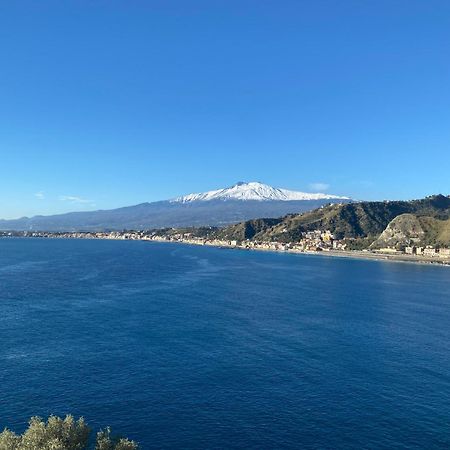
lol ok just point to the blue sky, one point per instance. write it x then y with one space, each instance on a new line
112 103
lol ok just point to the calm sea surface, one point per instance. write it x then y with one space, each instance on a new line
188 347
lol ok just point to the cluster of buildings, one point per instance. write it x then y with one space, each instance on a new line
428 251
310 241
318 240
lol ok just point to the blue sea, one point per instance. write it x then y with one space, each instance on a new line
191 347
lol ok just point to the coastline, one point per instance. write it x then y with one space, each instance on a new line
355 254
351 254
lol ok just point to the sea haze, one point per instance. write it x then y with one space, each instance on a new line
195 347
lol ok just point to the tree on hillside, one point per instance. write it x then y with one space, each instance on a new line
61 434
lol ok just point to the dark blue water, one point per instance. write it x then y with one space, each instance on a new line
188 347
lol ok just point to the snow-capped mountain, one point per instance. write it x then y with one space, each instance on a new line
240 202
254 191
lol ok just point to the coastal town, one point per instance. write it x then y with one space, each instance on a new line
311 242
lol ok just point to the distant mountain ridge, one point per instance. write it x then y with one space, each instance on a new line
240 202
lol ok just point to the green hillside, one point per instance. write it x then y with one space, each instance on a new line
437 232
362 222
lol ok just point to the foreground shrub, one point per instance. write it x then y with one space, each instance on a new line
61 434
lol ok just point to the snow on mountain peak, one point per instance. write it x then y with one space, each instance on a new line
254 191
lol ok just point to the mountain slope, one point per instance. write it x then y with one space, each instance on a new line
241 202
437 232
408 230
404 230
